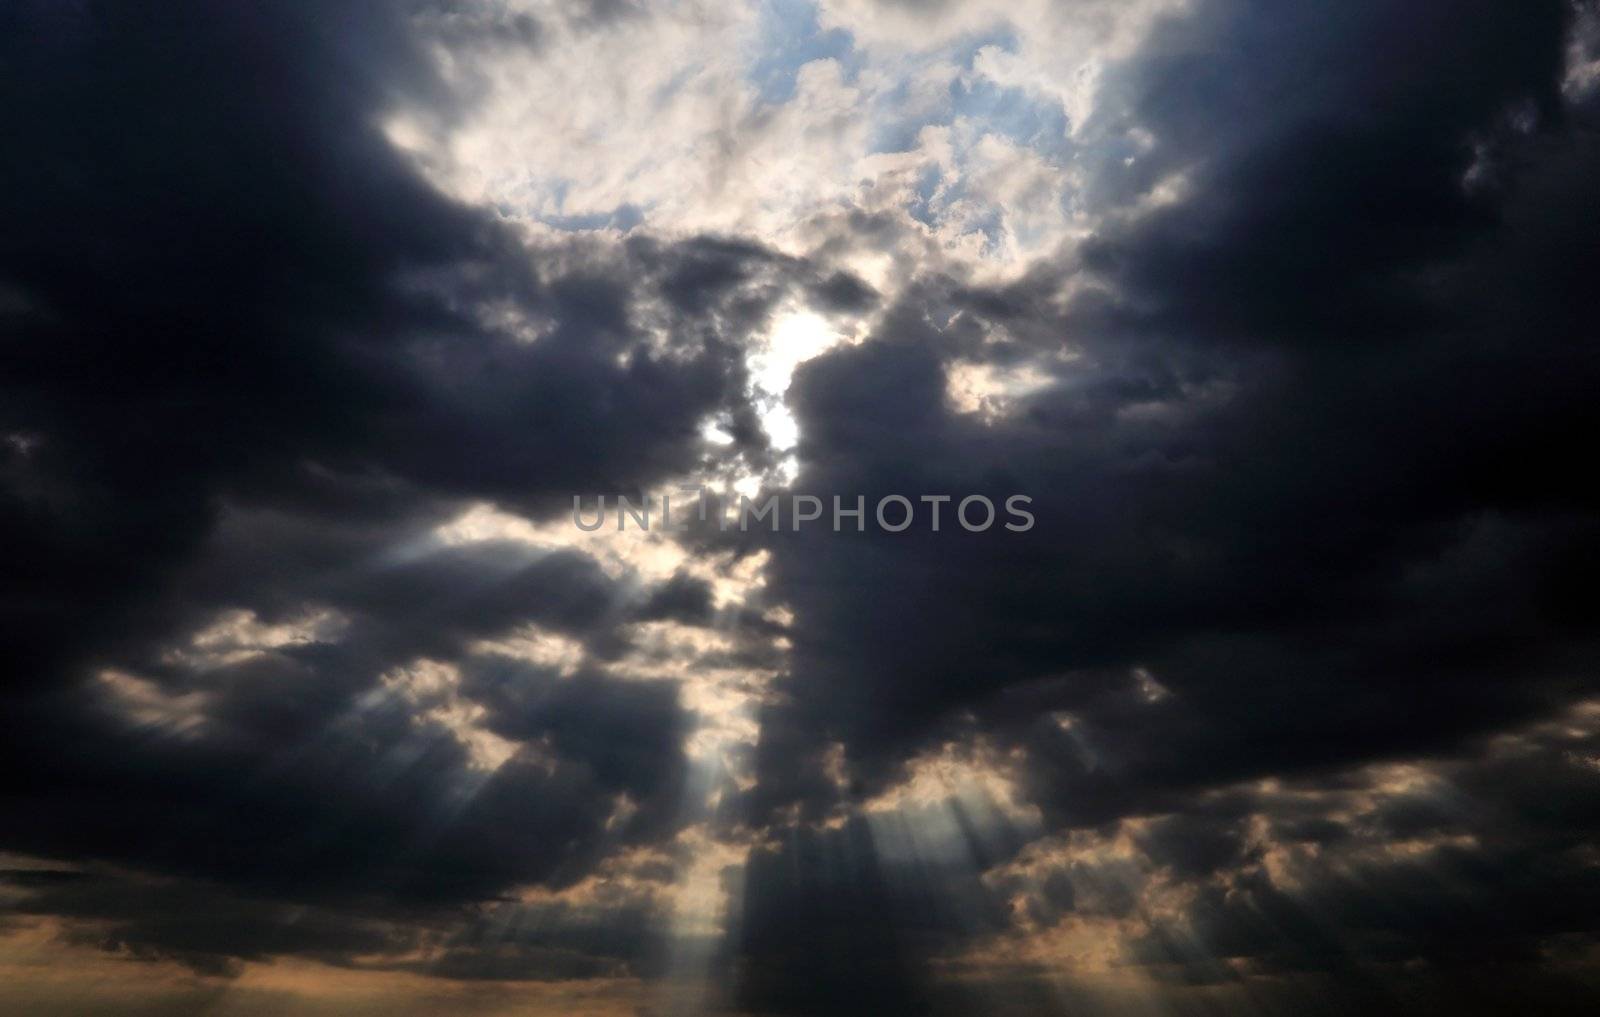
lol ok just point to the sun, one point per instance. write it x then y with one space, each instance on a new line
795 337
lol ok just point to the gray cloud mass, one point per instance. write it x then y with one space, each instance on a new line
314 319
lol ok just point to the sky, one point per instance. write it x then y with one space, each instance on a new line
316 318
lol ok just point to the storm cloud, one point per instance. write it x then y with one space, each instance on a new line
315 320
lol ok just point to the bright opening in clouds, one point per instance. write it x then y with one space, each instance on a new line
795 338
327 329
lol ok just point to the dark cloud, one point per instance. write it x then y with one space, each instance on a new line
1300 529
682 598
1288 679
833 923
1307 489
247 371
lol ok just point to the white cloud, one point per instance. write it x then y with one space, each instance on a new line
957 119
